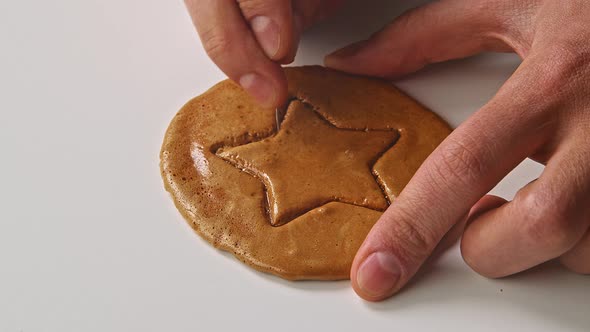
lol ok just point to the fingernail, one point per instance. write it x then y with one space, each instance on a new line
378 274
259 88
343 58
348 51
268 35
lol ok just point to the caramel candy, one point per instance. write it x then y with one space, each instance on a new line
298 202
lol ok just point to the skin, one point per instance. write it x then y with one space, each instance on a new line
542 112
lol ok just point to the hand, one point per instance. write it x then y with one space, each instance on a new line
542 112
249 39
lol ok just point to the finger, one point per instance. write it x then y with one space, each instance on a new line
485 204
438 31
578 259
467 165
278 24
305 14
232 46
545 220
312 11
451 237
273 26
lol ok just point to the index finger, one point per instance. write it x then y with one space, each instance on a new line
467 165
231 44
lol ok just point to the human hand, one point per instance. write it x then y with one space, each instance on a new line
542 112
249 39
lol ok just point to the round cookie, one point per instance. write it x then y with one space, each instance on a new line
296 202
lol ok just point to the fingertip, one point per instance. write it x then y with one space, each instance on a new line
577 259
268 35
268 92
344 58
281 87
471 248
291 49
581 267
271 23
485 204
259 88
347 51
376 277
395 248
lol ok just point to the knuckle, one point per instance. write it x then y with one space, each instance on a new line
547 221
251 8
415 240
564 63
215 42
458 161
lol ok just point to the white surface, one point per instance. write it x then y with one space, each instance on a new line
89 240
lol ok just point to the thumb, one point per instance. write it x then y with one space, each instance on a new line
461 170
439 31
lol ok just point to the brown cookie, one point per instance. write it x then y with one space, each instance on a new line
298 202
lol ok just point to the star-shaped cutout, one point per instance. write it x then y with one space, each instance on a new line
310 162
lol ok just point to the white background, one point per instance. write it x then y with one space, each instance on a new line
90 241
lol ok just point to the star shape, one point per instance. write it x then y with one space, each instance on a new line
310 162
